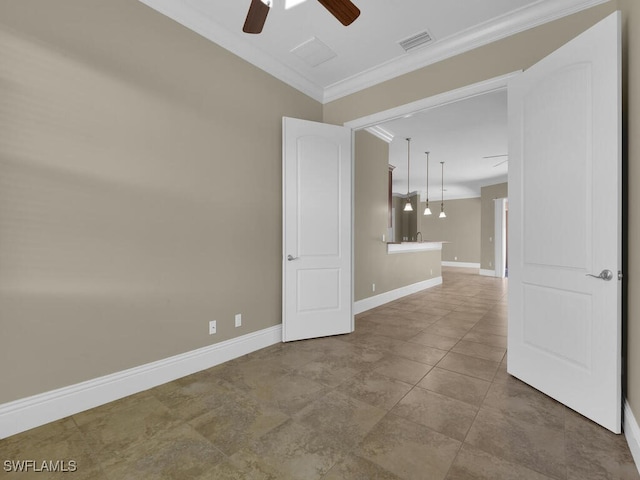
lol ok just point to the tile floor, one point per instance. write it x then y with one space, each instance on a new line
419 391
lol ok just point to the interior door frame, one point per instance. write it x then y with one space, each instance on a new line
491 85
500 237
495 84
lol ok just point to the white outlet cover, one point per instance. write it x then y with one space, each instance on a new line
238 320
212 327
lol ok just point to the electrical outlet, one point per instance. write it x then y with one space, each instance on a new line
373 287
455 258
431 271
384 239
491 264
238 320
212 327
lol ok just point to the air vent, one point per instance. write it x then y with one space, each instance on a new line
414 41
314 52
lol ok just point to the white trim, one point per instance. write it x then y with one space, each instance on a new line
412 247
487 273
233 41
496 29
499 236
386 297
381 133
461 264
30 412
483 34
632 433
462 93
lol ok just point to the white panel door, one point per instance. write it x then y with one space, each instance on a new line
316 266
565 223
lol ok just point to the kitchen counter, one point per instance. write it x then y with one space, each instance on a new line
414 247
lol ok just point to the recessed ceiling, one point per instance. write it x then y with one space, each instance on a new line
470 136
368 51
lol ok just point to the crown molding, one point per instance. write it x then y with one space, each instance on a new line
203 25
381 133
483 34
488 32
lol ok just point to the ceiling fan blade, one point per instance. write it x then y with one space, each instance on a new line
256 16
345 11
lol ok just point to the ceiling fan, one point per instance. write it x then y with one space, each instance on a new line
344 10
498 156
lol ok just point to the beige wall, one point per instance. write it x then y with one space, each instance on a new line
519 52
123 136
372 263
140 194
461 228
488 224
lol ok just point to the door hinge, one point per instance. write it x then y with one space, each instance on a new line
620 275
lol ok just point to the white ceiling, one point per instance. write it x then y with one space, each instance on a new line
367 52
459 134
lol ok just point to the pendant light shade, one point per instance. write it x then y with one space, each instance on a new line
442 214
427 210
408 207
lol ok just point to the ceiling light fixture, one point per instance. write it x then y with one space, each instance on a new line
442 214
427 210
408 207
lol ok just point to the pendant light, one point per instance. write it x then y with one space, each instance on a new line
442 214
427 210
408 207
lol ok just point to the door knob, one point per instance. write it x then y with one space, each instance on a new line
604 275
291 257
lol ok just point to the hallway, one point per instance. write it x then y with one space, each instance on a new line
419 391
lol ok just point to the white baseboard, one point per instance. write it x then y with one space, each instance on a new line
487 273
461 264
30 412
386 297
632 433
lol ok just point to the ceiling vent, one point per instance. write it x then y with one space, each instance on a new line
314 52
415 41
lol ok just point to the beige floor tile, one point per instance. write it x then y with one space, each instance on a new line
289 452
289 394
233 426
596 453
486 338
172 454
453 331
525 403
346 394
53 448
189 399
375 389
402 369
481 327
438 412
345 419
537 447
480 350
472 366
125 426
474 464
409 450
418 353
356 468
455 385
434 340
